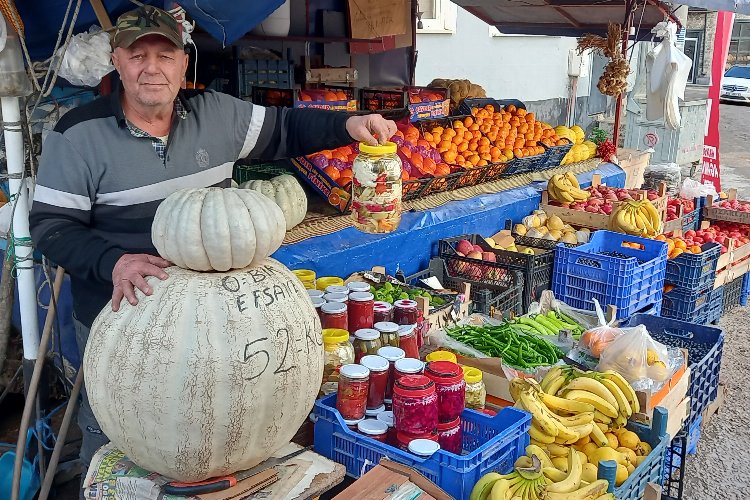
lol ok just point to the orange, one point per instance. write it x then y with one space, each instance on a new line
404 175
670 246
428 137
442 169
482 163
332 172
344 180
347 172
680 244
661 237
450 156
695 249
510 108
468 121
518 153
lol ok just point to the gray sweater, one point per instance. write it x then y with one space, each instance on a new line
98 186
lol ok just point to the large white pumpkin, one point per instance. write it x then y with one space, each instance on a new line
209 375
215 229
287 193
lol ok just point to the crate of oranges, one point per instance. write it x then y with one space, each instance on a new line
690 266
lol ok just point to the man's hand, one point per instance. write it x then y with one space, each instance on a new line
364 128
130 271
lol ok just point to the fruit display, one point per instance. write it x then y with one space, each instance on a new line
517 349
606 150
582 414
677 245
551 323
459 90
324 95
638 218
421 95
540 225
565 189
740 206
419 156
677 207
582 149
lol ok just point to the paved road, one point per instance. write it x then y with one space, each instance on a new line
735 148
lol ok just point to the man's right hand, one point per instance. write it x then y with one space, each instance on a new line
130 272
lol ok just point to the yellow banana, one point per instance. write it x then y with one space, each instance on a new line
484 486
575 420
554 387
582 430
573 481
564 434
539 435
517 385
554 474
572 179
598 437
556 450
589 492
499 489
639 220
551 375
592 399
593 386
622 401
625 387
608 496
654 215
558 404
539 414
601 417
536 451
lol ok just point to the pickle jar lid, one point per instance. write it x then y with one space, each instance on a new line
367 334
386 417
415 386
354 371
313 293
391 353
333 308
442 356
335 336
372 427
383 306
374 412
358 286
409 365
374 363
383 149
336 297
353 423
336 289
423 447
318 302
386 327
472 375
444 372
406 330
361 296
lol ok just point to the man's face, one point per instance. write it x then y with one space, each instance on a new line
151 70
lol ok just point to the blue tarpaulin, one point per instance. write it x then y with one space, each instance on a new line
225 21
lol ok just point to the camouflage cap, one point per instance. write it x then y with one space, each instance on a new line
143 21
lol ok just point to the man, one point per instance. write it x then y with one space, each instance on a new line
107 166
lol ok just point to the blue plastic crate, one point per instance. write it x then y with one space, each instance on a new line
694 435
715 306
630 283
651 470
733 294
490 444
745 290
694 270
479 102
704 345
554 155
674 467
685 304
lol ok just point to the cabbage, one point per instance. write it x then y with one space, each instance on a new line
338 164
398 141
415 415
319 161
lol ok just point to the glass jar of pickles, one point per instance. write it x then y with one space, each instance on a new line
337 352
376 196
388 333
366 341
476 392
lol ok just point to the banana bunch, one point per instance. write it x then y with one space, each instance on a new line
565 188
638 218
529 482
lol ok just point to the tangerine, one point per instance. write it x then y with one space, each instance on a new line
332 172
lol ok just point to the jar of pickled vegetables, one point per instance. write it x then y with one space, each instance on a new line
358 286
337 297
388 333
360 310
407 340
450 436
351 398
337 289
450 387
317 303
415 405
405 312
333 315
387 418
376 192
374 429
366 341
441 356
378 367
476 392
337 352
383 312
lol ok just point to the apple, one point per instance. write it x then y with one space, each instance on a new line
489 257
721 239
607 208
474 255
690 233
464 247
592 209
652 196
479 249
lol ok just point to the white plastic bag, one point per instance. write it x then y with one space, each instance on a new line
668 69
87 59
694 189
643 362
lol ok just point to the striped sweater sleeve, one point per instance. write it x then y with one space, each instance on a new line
61 214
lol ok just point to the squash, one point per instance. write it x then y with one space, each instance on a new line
287 193
210 374
214 229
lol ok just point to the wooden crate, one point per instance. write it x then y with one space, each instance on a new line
733 264
580 218
711 212
634 163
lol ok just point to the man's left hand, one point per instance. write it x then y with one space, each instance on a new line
365 128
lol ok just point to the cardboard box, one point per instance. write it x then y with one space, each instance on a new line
338 197
313 98
384 480
422 108
634 163
680 379
498 386
676 402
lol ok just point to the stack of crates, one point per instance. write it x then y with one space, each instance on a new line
689 285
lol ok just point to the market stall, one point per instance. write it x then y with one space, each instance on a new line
435 324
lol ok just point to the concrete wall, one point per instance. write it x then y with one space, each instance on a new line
529 68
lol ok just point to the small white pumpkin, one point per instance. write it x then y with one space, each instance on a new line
287 193
210 374
215 229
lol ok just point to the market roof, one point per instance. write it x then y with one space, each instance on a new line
563 17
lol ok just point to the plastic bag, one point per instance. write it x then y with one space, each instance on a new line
643 362
87 58
694 189
668 70
669 173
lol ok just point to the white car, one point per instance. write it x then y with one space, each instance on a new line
735 86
